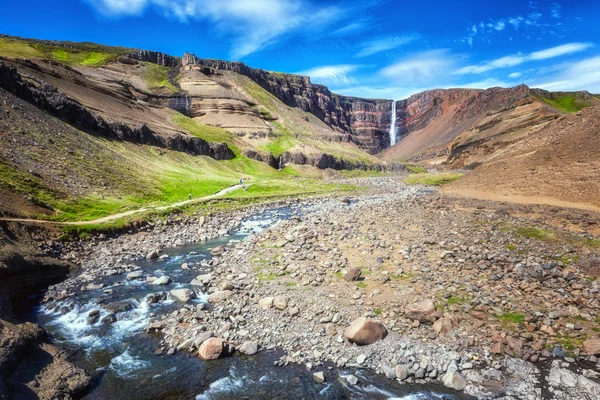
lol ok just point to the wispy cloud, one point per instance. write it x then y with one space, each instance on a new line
513 60
353 27
515 75
335 74
421 67
555 10
383 44
579 75
254 24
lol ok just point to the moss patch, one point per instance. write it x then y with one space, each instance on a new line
512 318
433 179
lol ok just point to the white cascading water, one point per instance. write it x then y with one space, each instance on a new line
187 105
393 125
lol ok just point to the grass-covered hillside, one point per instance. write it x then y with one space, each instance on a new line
89 54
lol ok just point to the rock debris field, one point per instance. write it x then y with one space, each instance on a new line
494 300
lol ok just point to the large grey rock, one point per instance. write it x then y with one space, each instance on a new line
401 372
163 280
353 274
423 311
184 295
266 302
363 331
152 255
280 303
249 348
454 379
570 385
134 275
220 296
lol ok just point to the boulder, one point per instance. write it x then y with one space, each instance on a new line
249 348
591 346
266 303
134 275
319 377
220 296
184 295
363 331
163 280
120 306
351 379
453 379
401 372
445 325
211 349
217 251
353 274
152 255
423 311
280 303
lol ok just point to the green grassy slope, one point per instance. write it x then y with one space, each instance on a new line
88 54
567 103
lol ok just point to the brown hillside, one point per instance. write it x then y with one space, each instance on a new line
557 165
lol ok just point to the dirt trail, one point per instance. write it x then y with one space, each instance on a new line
127 213
520 199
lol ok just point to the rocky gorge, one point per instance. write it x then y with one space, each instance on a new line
420 288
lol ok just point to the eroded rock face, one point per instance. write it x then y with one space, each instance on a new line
155 57
363 331
50 99
367 121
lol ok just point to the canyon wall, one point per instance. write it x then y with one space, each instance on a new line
366 121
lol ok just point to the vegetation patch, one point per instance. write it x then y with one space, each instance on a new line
535 233
361 285
403 276
566 103
435 179
157 77
455 300
378 311
512 318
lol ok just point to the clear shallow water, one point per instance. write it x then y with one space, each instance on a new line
123 355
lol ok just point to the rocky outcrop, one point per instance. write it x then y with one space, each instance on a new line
324 161
265 157
155 57
49 99
366 121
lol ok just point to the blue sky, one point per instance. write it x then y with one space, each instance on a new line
368 48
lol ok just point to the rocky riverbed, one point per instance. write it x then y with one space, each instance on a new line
488 299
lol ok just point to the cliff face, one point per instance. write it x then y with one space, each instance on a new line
56 103
366 121
434 118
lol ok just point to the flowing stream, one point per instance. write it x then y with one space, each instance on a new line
125 357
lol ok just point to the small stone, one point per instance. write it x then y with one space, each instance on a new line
163 280
280 303
401 372
249 348
319 377
351 379
361 359
266 303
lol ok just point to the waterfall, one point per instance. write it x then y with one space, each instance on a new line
281 165
393 124
187 105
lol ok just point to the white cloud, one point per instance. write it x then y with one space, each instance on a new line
560 50
515 75
421 68
381 92
503 62
356 26
555 10
580 75
513 60
254 24
499 26
516 21
336 74
376 46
